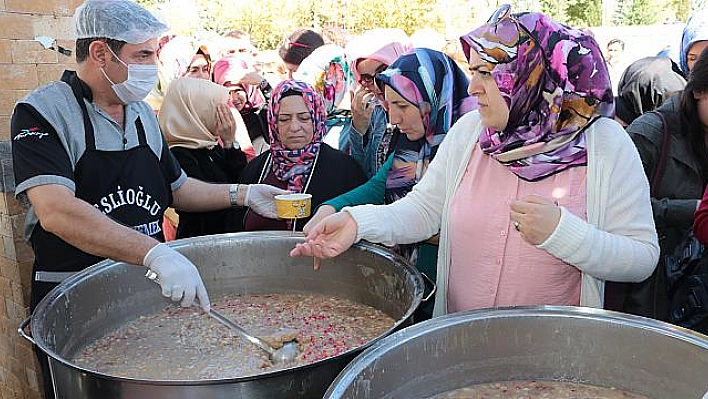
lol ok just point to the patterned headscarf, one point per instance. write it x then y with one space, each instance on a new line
696 30
327 70
555 82
294 166
434 83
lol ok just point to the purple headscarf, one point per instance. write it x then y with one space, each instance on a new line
555 82
294 166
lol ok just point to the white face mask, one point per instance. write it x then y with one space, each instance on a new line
141 80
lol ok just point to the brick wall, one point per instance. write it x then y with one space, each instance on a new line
24 65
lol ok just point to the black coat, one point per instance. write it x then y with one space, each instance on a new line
212 166
673 201
256 123
335 173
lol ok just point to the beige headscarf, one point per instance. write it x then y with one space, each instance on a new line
188 114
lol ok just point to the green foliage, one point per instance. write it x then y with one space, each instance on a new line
644 12
555 9
269 21
682 9
583 13
637 12
262 20
148 3
622 9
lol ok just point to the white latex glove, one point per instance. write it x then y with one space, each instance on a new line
177 276
261 199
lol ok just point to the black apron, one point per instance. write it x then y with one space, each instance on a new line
127 186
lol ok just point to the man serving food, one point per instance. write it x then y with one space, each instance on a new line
89 156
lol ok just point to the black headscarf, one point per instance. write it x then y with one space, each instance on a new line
644 86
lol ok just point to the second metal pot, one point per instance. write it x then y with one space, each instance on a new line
592 346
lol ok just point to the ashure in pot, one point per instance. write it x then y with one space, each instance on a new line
107 295
590 346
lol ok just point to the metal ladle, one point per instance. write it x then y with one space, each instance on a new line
286 353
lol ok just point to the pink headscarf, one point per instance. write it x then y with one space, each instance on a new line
175 55
231 69
383 45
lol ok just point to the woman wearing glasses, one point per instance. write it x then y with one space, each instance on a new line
367 136
539 196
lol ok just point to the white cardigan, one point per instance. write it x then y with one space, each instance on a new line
618 242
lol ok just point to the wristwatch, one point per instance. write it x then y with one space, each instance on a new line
233 194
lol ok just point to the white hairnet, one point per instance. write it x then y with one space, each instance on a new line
116 19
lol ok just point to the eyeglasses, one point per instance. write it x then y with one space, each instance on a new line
498 15
504 12
366 78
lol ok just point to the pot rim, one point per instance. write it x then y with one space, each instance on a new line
399 338
98 268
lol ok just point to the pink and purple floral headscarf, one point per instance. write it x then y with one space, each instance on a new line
555 82
294 166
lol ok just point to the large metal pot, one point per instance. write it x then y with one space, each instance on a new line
106 295
586 345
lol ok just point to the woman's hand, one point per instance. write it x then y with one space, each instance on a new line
225 125
363 104
535 218
329 238
322 212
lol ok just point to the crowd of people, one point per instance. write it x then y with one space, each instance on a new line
529 173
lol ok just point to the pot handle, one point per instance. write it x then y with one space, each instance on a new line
432 291
21 330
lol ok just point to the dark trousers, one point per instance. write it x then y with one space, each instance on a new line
39 291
